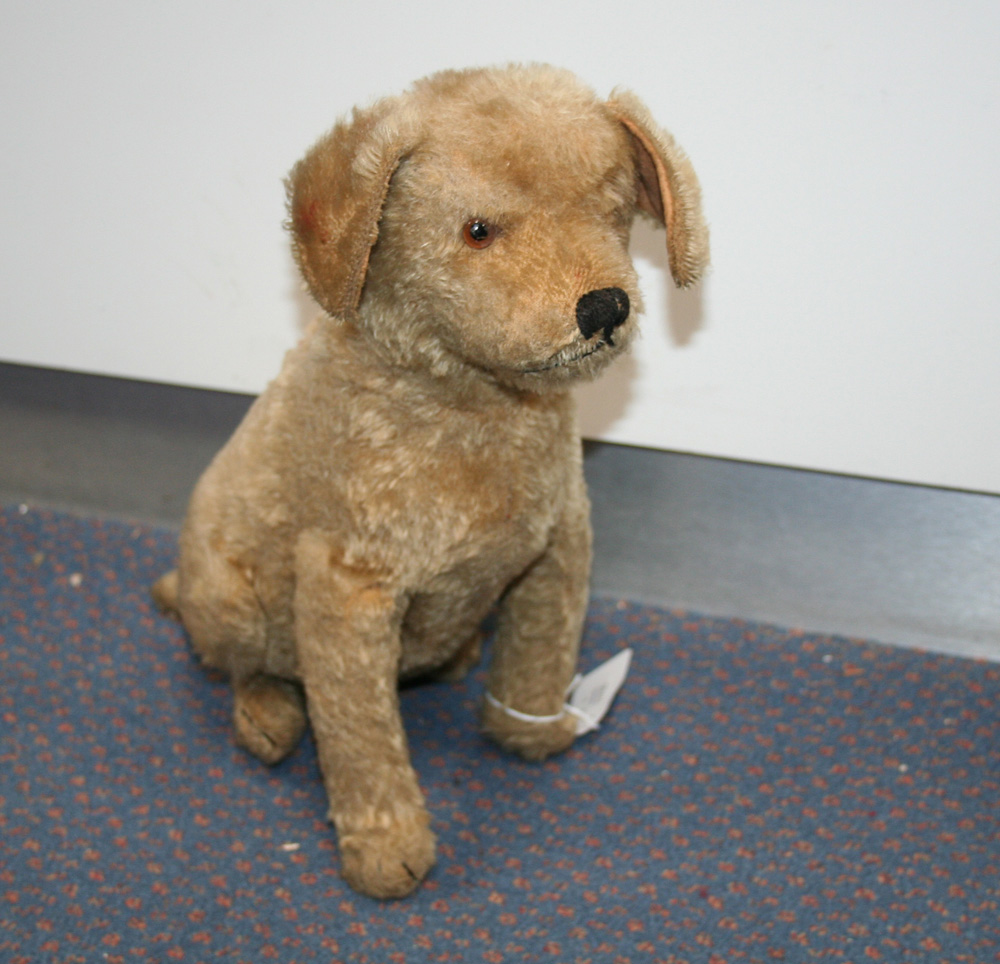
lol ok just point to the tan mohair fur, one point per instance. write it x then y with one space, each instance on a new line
416 461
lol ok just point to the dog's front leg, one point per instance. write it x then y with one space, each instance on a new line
538 638
347 626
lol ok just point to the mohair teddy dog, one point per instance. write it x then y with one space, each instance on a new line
416 461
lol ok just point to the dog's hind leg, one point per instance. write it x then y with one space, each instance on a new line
269 716
216 598
465 659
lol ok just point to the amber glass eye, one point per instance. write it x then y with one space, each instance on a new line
478 233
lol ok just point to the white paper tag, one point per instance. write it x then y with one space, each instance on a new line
591 698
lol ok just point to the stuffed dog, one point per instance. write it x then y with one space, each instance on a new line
416 461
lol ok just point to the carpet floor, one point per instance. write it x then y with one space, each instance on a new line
755 794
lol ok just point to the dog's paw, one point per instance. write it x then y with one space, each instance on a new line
466 659
269 717
388 862
530 739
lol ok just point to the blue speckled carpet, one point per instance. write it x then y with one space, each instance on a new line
754 795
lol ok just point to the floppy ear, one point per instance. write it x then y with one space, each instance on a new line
335 197
668 188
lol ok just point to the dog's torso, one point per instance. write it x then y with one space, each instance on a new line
448 497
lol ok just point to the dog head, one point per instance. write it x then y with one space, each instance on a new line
480 223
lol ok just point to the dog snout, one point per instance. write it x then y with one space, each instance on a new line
602 310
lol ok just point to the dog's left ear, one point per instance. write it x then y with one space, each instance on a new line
668 188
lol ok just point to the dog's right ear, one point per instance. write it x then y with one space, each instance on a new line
335 198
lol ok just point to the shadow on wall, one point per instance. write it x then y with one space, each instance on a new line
685 308
602 403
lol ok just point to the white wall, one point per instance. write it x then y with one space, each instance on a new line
847 152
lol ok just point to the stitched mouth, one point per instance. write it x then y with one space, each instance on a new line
557 361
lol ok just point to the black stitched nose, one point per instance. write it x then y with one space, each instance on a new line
602 310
